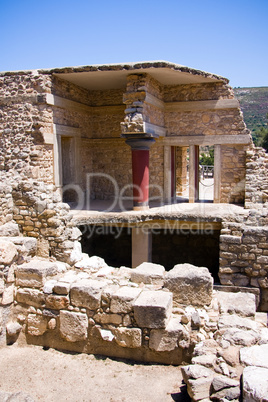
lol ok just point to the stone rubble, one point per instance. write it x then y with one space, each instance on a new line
143 313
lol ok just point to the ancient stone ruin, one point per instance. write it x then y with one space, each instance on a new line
107 245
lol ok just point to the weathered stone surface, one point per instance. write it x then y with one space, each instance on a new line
9 229
190 284
207 360
255 384
128 337
76 254
2 286
237 303
32 297
152 309
87 293
122 300
230 355
8 295
163 340
148 272
221 381
73 326
264 336
103 318
34 273
13 328
240 337
226 394
198 380
255 356
36 325
57 302
93 263
8 252
234 321
61 288
15 397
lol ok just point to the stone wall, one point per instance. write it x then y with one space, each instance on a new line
37 209
244 255
23 120
256 178
105 310
233 167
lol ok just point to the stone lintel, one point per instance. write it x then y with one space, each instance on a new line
202 105
186 140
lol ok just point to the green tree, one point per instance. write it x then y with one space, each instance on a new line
207 158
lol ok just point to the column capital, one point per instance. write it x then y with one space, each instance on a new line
140 144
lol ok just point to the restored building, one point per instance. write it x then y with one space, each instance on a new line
107 139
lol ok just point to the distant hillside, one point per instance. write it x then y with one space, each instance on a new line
254 104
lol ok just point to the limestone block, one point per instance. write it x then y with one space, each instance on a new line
234 321
8 252
152 309
264 336
93 263
32 297
76 254
226 394
207 360
198 380
87 293
255 356
9 229
243 304
73 326
2 286
34 273
13 328
103 318
42 248
165 340
147 272
128 337
221 381
57 302
36 325
190 284
122 300
240 337
8 295
255 384
25 245
61 288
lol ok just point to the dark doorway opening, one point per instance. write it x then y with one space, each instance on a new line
111 243
193 247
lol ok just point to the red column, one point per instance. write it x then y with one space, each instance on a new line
140 170
140 175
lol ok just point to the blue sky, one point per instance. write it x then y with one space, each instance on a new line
227 37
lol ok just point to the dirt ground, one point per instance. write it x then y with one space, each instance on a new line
50 375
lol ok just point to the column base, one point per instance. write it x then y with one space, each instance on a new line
140 208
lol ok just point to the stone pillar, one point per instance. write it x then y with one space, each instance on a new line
193 173
141 246
217 173
140 171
